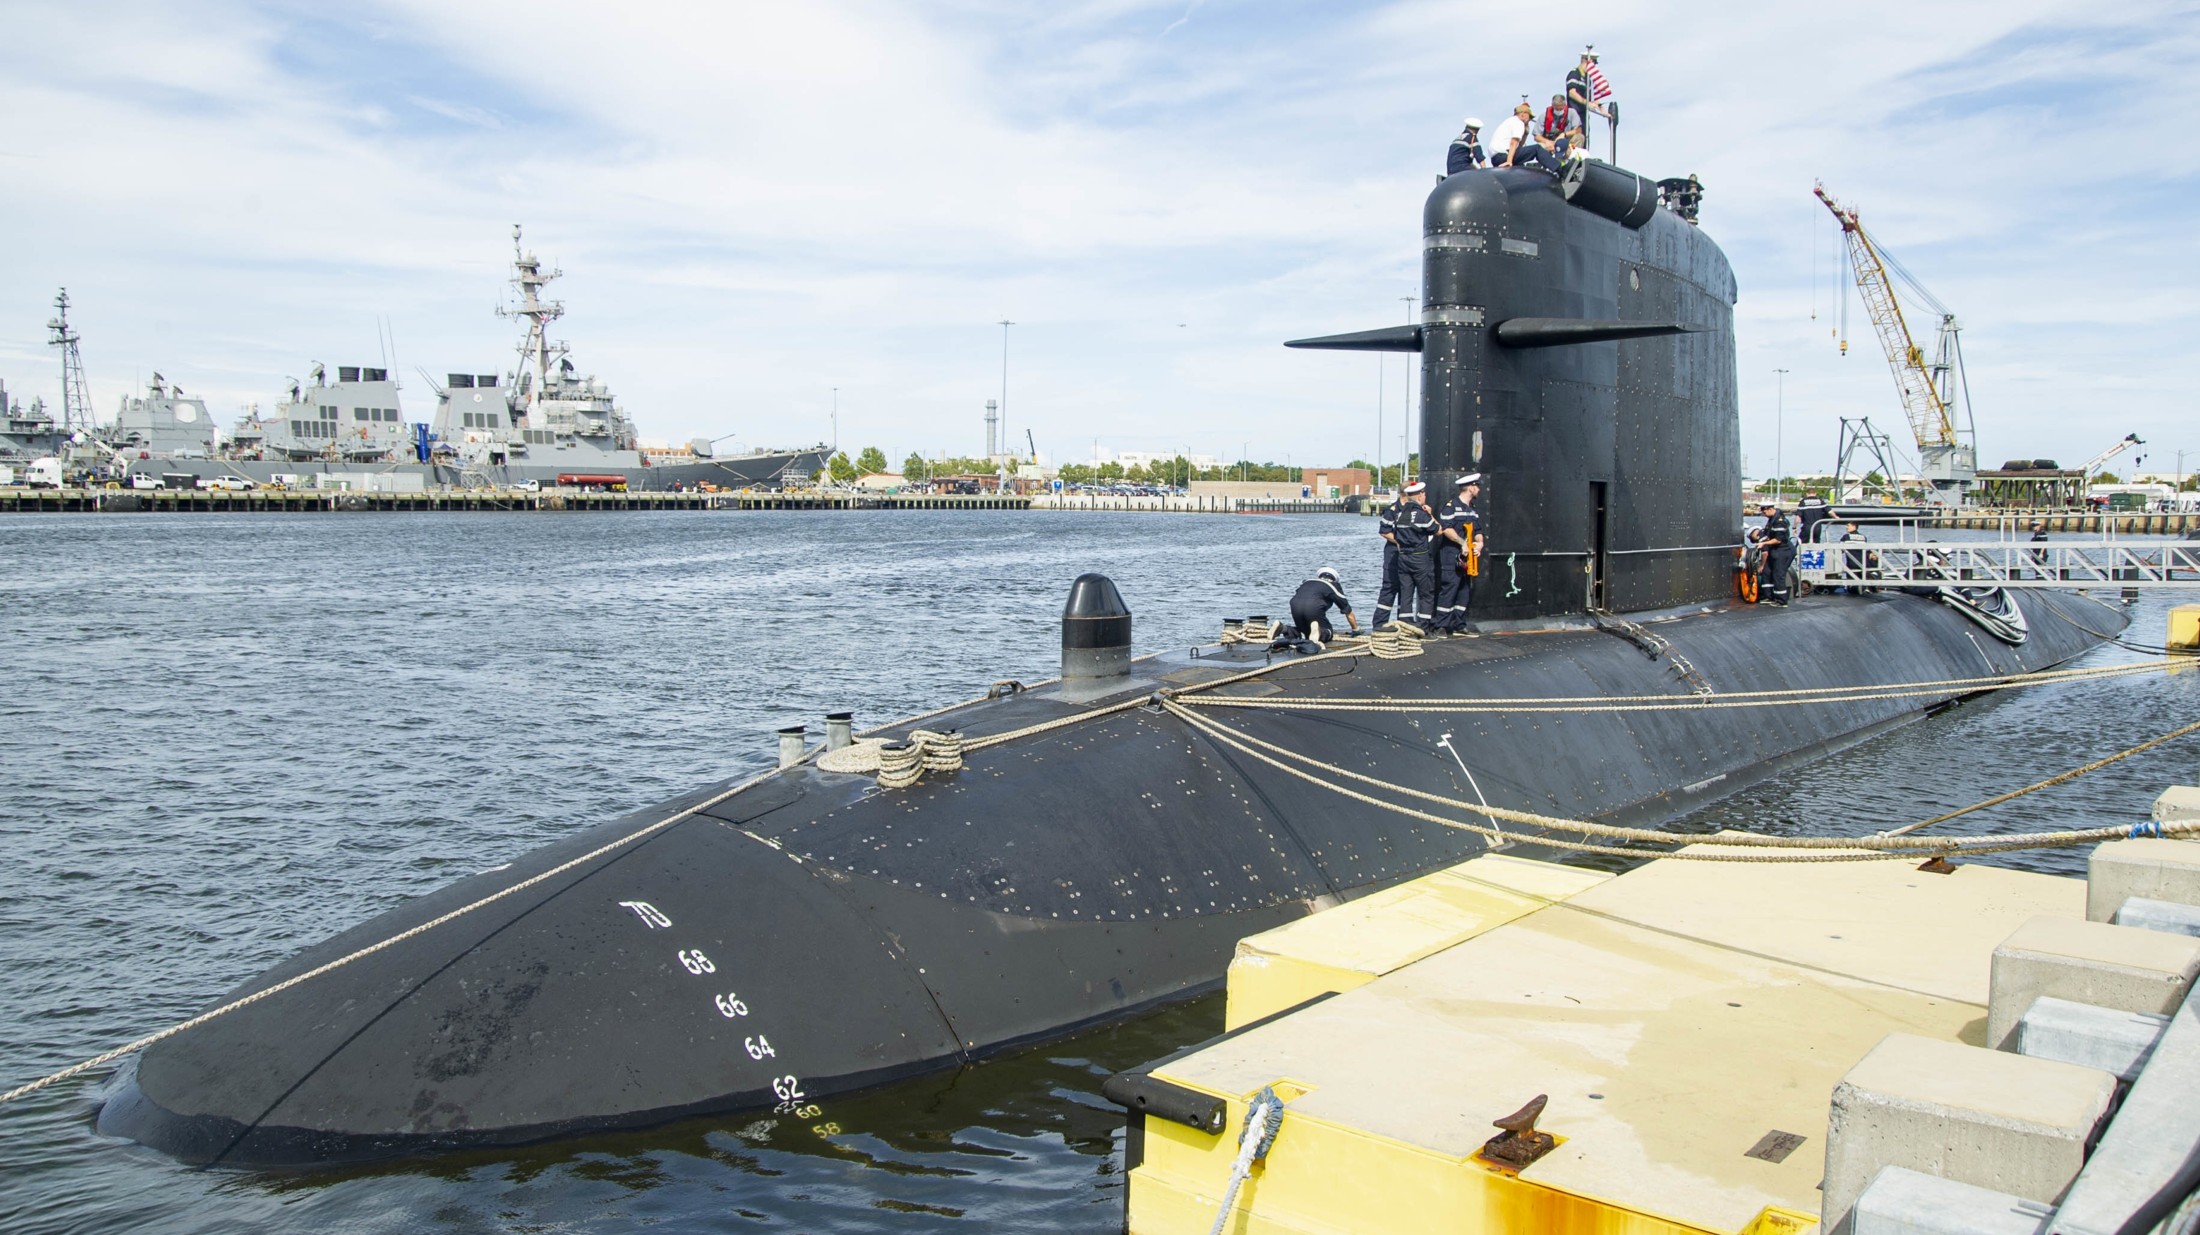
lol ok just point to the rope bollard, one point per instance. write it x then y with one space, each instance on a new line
898 765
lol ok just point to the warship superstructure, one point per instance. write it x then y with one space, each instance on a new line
540 424
1048 858
26 433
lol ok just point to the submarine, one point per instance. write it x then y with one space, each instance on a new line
1046 859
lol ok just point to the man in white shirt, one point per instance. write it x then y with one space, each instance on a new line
1513 143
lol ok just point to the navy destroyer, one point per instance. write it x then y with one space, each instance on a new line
539 424
1048 858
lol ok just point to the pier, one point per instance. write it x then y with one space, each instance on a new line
485 501
1516 1045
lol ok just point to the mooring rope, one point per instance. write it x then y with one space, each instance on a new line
2049 783
1851 848
1736 699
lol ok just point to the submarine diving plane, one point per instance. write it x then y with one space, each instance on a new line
817 930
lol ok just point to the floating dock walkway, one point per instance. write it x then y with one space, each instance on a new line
1697 1046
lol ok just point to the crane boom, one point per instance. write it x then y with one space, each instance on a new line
1922 400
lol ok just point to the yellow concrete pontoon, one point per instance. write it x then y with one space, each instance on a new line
1687 1021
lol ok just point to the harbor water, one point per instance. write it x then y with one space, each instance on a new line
229 737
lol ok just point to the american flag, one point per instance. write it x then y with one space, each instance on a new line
1599 89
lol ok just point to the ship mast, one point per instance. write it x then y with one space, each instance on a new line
534 350
76 399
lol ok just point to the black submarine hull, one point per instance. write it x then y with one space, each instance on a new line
815 934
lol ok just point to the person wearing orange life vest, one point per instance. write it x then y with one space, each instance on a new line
1458 555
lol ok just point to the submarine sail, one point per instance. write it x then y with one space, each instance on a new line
1071 855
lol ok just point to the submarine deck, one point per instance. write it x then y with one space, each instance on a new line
813 933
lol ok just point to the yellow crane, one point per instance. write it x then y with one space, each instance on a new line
1930 389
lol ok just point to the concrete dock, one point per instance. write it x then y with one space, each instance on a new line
1726 1047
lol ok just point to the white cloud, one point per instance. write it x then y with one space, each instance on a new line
757 203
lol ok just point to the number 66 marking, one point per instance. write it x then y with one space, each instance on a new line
729 1006
695 962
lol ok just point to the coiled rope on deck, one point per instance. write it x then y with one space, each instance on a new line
1874 847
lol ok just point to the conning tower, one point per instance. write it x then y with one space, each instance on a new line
1576 344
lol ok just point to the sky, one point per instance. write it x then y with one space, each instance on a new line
765 212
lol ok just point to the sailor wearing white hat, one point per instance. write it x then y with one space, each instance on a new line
1415 535
1458 554
1310 606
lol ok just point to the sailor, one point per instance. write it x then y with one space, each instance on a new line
1854 560
1386 599
1310 606
1579 95
1458 554
2039 530
1466 150
1777 538
1809 513
1415 536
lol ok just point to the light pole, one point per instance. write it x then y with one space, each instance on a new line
1409 391
1005 324
1779 431
836 420
1245 461
1378 420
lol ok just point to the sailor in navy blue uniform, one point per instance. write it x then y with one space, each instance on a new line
1386 599
1415 535
1459 526
1310 606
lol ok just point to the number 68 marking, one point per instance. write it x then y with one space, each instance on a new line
695 962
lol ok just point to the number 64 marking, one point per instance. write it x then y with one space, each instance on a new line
758 1047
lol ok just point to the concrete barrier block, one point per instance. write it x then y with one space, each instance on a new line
2163 870
2178 803
1906 1202
2150 1142
2089 1037
1992 1119
2166 916
2109 966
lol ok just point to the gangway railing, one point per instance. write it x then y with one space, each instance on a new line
2056 564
